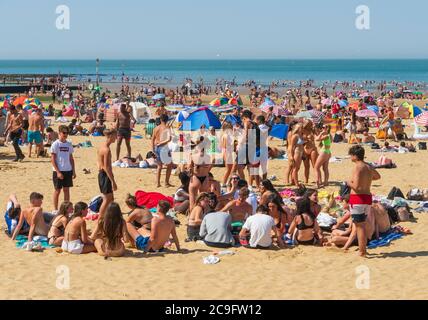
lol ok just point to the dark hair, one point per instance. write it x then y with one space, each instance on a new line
357 151
185 180
277 201
63 129
346 197
131 201
309 193
244 192
262 209
261 119
112 225
247 114
14 213
269 186
164 206
64 207
49 129
304 206
242 183
164 118
78 209
36 196
212 200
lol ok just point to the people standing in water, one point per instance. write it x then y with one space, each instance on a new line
361 198
123 128
310 155
324 158
63 166
161 138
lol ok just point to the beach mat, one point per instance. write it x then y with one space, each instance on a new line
21 240
385 239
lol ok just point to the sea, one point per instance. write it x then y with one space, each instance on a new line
263 72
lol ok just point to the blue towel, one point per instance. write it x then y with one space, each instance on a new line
137 137
20 240
385 239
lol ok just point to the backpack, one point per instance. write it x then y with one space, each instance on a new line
95 204
415 195
344 190
395 193
422 145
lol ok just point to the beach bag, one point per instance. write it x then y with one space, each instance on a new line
375 146
422 145
415 195
395 193
337 138
344 190
381 134
95 204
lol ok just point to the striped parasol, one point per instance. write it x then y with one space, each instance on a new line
316 116
367 113
422 119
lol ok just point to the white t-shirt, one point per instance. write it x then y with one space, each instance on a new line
260 227
63 150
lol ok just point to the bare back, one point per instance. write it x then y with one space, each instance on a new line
162 228
35 122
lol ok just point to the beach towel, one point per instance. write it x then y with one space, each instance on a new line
211 260
21 242
151 199
137 137
386 238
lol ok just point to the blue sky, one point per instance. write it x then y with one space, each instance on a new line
213 29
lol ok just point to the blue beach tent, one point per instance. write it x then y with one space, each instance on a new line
200 117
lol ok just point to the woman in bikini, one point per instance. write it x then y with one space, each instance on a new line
304 227
310 155
227 141
312 196
141 218
113 233
280 216
76 240
290 157
267 190
324 158
297 143
59 223
200 167
196 216
181 196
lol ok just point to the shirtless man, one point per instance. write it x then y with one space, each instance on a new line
240 209
106 180
35 131
33 216
160 139
14 127
361 198
162 227
123 127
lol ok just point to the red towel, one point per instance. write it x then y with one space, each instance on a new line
151 199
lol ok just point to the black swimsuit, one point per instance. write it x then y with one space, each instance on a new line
302 226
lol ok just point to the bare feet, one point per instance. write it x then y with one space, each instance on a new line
168 185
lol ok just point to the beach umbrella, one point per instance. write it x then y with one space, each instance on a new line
326 102
182 115
202 116
267 103
277 110
19 100
218 102
343 103
367 114
418 93
159 96
235 102
225 108
414 111
422 119
373 108
314 115
279 131
176 107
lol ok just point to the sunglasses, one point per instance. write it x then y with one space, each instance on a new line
64 132
235 178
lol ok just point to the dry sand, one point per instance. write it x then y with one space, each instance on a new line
396 272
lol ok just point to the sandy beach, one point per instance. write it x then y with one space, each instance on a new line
396 272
